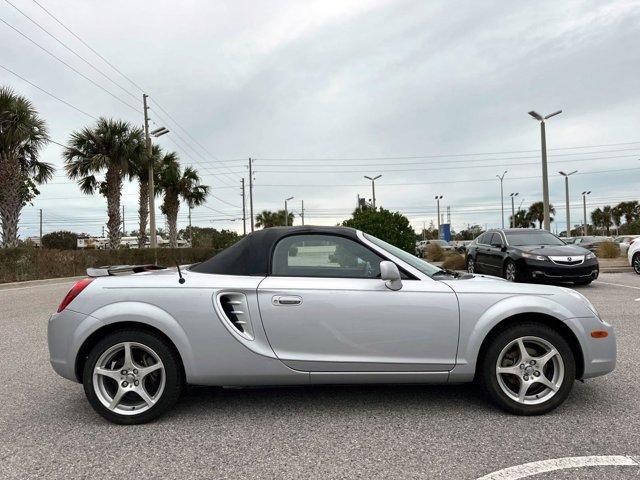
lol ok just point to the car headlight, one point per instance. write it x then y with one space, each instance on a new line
590 255
542 258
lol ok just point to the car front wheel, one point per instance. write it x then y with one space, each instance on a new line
132 377
636 263
511 272
527 369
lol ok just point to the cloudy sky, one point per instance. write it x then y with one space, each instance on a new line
432 95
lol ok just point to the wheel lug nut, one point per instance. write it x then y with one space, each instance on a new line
125 384
532 362
135 372
123 372
136 383
522 366
526 377
536 373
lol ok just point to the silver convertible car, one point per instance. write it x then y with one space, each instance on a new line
316 305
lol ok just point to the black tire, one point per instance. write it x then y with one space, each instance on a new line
488 378
173 375
583 282
636 263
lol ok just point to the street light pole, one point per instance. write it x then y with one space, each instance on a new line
502 197
286 211
566 191
373 189
438 198
545 177
584 210
513 210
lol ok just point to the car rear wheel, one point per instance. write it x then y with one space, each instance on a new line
471 265
510 271
636 263
528 369
132 377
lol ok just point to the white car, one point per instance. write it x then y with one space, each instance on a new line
321 305
633 254
624 241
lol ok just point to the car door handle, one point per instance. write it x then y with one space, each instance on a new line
286 300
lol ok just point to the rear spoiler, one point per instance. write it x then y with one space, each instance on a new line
112 270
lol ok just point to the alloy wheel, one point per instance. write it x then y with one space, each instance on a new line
129 378
636 263
470 265
510 272
530 370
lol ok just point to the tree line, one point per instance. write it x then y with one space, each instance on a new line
100 157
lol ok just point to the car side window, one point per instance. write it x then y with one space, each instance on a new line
328 256
482 238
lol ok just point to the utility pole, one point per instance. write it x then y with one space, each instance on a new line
545 177
584 211
302 211
566 190
513 210
502 197
438 198
244 210
102 231
251 192
124 231
373 189
190 229
152 195
41 227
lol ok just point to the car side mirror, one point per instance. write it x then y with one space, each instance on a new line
391 275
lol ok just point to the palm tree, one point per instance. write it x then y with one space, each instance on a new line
111 146
139 170
597 217
522 220
267 219
629 210
22 135
607 220
536 213
176 183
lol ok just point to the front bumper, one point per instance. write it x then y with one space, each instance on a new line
599 353
548 270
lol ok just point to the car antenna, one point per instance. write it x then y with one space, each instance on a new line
181 280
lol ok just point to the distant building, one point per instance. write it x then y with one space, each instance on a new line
101 243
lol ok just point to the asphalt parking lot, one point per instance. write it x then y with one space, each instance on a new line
48 430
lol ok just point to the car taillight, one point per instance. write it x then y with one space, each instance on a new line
74 292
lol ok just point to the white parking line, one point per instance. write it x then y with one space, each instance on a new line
534 468
616 284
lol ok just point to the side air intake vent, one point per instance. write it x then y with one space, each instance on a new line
236 311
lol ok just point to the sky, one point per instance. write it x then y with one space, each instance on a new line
431 95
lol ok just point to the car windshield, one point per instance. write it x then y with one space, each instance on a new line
412 260
532 238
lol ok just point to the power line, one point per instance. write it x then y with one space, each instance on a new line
72 51
50 94
69 66
89 46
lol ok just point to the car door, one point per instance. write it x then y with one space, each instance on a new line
325 309
495 255
482 253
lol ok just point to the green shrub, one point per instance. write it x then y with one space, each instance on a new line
434 252
454 261
608 250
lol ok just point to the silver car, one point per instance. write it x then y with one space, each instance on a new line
315 305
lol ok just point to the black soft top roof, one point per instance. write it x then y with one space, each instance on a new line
252 254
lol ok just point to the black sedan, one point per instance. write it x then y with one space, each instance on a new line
522 254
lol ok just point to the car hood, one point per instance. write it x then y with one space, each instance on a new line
559 250
486 283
